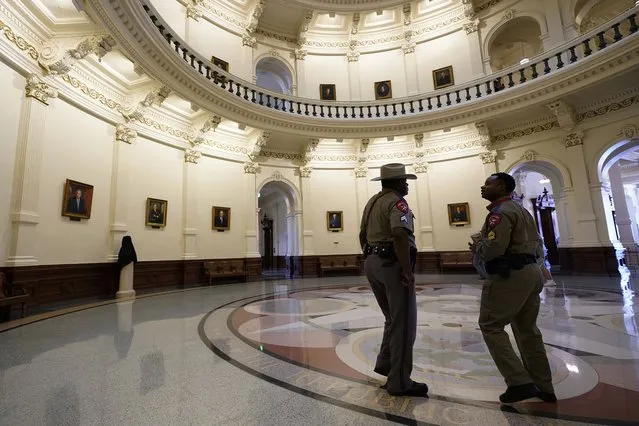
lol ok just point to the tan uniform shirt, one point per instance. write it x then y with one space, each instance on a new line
509 229
388 210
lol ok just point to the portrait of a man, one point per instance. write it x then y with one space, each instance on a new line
156 211
334 221
383 90
221 218
443 77
458 214
77 198
327 92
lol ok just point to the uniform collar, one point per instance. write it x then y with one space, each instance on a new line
388 190
497 202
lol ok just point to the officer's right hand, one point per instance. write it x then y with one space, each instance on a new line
408 279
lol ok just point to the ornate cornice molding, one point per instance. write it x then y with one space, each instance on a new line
92 93
20 42
515 134
606 109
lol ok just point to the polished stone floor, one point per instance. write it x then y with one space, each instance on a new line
302 352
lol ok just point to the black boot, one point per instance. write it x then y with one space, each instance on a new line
519 393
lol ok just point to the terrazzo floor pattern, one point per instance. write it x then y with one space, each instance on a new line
300 352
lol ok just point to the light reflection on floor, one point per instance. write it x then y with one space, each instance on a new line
300 352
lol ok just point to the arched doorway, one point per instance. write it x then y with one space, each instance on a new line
618 170
540 186
278 228
274 75
536 194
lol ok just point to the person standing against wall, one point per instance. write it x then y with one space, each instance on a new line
508 247
388 242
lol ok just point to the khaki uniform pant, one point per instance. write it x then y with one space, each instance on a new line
515 301
399 305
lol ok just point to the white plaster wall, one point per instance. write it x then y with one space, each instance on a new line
335 190
220 183
447 188
381 66
156 173
174 14
442 52
77 146
12 89
326 70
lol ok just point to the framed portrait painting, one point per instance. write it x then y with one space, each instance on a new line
327 92
221 218
383 90
220 63
77 198
156 212
443 77
459 214
334 221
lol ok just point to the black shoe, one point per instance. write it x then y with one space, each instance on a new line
416 389
519 393
382 371
547 397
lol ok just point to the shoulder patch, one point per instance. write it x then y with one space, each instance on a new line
494 220
402 206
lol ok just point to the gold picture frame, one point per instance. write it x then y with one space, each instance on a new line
156 212
383 89
220 63
77 198
327 92
459 214
443 77
221 222
335 220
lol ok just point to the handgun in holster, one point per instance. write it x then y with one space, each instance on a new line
500 266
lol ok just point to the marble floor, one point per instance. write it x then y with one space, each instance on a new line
290 352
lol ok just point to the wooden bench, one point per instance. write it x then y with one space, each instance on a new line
225 269
8 297
461 260
340 263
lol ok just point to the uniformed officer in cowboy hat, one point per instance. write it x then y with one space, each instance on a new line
388 242
508 247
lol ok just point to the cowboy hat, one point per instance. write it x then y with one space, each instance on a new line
394 171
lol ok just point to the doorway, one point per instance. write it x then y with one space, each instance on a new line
277 229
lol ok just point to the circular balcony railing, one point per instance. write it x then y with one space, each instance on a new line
547 63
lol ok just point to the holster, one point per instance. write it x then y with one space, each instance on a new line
503 264
383 250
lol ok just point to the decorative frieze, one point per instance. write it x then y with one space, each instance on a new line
574 139
38 89
20 42
125 134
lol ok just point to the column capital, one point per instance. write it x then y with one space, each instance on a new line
353 56
38 89
300 54
249 41
574 139
192 12
251 167
420 166
488 157
192 156
305 171
471 26
409 47
125 134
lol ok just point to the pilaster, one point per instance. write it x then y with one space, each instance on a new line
307 209
189 203
120 184
474 48
25 214
252 218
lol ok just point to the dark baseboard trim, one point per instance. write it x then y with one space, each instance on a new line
55 284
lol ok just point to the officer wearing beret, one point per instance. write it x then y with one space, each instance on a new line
508 247
388 242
